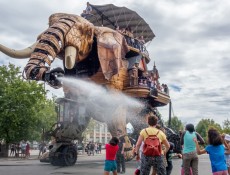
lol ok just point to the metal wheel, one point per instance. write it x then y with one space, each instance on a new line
69 155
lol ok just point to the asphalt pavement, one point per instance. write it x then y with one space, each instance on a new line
86 165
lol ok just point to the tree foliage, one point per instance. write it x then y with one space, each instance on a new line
24 108
89 129
176 124
226 126
203 126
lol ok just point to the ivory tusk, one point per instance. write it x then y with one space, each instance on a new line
70 57
24 53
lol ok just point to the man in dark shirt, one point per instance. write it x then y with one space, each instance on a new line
169 159
120 158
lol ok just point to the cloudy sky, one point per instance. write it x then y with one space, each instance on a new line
191 48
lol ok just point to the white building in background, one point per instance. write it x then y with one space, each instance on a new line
99 133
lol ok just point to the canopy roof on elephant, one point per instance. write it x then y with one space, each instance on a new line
111 16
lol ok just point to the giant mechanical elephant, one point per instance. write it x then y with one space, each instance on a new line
71 38
84 49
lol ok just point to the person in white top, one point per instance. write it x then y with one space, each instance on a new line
88 8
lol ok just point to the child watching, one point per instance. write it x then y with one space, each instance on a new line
110 154
216 150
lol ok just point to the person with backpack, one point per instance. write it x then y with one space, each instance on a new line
152 154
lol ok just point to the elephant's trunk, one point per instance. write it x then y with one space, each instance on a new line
24 53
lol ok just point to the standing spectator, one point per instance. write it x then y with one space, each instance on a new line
91 148
42 148
120 158
169 166
156 161
99 148
190 157
23 148
110 154
227 151
138 159
96 148
87 148
17 150
27 150
215 149
12 149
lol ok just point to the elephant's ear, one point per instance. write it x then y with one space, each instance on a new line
112 48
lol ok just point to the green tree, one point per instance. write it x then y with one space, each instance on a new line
45 118
176 124
89 129
203 126
21 105
226 126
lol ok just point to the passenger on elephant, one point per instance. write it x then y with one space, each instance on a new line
117 28
156 161
123 30
110 154
133 76
145 83
84 14
129 36
88 8
141 43
141 82
120 158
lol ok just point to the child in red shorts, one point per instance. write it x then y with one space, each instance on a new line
110 154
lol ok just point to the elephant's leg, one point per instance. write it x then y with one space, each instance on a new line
118 121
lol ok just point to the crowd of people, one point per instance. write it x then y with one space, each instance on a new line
136 42
93 148
20 150
146 81
154 152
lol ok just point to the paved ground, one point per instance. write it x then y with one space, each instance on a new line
86 165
